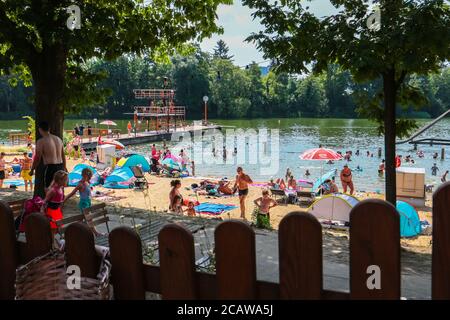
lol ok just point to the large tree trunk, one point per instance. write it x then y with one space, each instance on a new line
49 72
389 88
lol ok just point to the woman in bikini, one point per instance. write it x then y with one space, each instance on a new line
175 197
346 179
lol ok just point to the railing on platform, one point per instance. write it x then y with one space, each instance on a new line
146 111
155 94
18 138
95 132
374 245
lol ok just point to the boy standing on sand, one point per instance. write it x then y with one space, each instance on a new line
263 206
242 181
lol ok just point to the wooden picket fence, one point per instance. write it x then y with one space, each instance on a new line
374 240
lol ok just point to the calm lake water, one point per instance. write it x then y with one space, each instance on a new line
295 136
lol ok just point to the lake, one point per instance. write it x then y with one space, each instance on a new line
295 136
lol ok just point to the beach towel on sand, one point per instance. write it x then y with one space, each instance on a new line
214 209
14 182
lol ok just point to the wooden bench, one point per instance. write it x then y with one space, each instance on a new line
96 215
65 222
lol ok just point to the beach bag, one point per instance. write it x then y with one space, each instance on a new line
30 206
46 278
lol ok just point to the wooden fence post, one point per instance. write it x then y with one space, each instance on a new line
80 249
440 283
127 270
39 235
8 253
374 251
235 261
177 263
300 256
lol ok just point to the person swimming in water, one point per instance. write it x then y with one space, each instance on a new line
434 170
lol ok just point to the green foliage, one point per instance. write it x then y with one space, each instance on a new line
221 51
35 43
311 97
31 126
67 138
414 38
329 94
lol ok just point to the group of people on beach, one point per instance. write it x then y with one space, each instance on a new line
25 165
50 150
158 157
241 184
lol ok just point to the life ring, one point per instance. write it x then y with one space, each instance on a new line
398 162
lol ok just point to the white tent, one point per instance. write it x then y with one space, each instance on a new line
334 207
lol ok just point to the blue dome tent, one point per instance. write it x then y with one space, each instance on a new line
75 175
133 161
409 220
121 178
171 164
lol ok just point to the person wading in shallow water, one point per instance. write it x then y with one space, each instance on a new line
346 179
242 181
50 149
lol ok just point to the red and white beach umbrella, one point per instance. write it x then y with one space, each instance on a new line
320 154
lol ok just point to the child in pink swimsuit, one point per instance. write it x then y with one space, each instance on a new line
54 198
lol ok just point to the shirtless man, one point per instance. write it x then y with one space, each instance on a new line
50 149
242 181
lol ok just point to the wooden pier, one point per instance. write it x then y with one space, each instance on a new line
149 137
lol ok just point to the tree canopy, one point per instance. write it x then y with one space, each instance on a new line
37 45
412 37
221 50
194 75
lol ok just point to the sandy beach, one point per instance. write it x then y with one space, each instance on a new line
156 198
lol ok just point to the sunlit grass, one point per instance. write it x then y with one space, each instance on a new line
13 149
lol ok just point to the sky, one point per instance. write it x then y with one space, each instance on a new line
238 24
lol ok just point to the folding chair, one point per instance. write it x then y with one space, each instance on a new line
279 194
141 181
95 216
62 224
306 197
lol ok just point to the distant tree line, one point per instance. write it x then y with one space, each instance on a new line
234 91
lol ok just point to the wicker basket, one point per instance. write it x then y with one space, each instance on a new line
45 278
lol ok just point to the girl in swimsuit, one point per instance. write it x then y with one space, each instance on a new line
54 199
84 189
